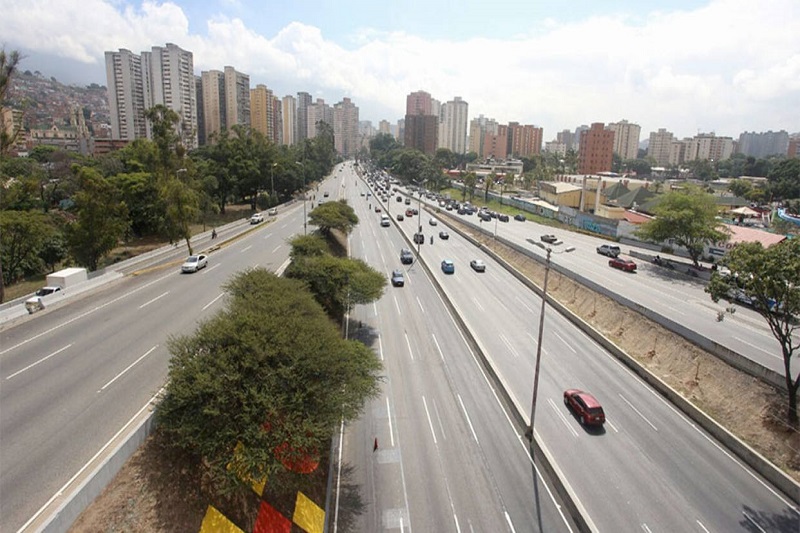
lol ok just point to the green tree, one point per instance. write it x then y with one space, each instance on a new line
688 217
444 158
182 208
784 180
23 234
333 215
140 192
740 187
470 180
488 181
165 125
771 277
269 372
8 71
102 219
308 246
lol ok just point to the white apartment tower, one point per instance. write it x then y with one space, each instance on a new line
660 146
126 95
162 76
345 128
453 127
626 139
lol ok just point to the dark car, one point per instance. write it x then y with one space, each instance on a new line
377 209
623 264
444 235
502 218
448 267
409 212
399 198
397 278
520 217
326 194
478 265
419 238
550 238
585 406
485 216
406 257
400 217
408 201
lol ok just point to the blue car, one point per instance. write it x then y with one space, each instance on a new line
448 267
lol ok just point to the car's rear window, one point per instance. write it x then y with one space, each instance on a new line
595 411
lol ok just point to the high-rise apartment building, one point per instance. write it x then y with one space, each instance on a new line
237 98
384 127
421 125
126 95
318 112
660 146
162 76
211 108
303 101
568 139
626 139
495 142
596 150
524 140
453 126
761 145
419 103
345 128
289 112
171 73
709 147
262 111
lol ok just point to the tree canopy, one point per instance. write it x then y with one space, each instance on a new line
270 373
688 217
334 215
771 278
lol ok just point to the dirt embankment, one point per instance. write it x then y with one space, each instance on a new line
748 408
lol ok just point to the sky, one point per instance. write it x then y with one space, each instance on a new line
689 66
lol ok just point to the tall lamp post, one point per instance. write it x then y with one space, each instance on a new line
529 432
305 223
272 179
419 215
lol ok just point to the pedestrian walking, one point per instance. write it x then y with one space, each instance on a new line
375 446
213 233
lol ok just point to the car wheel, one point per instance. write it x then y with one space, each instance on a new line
583 420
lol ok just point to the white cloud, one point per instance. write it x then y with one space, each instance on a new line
729 66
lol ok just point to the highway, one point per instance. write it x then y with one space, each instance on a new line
672 294
72 376
650 469
448 457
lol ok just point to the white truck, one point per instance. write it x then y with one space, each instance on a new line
57 284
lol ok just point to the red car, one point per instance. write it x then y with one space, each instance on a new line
585 406
623 264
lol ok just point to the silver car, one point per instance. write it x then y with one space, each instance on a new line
194 263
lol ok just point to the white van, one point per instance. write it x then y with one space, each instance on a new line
385 221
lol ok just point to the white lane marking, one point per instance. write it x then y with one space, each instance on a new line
396 305
243 250
283 267
420 305
102 450
267 236
209 304
389 418
209 269
533 339
430 422
524 304
276 248
612 425
759 348
439 419
637 411
87 313
565 342
284 225
508 345
408 343
375 308
115 378
338 476
441 355
508 521
153 300
42 360
469 422
645 528
563 418
380 347
477 303
699 523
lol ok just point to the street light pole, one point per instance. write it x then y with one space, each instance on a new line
272 179
305 224
529 432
